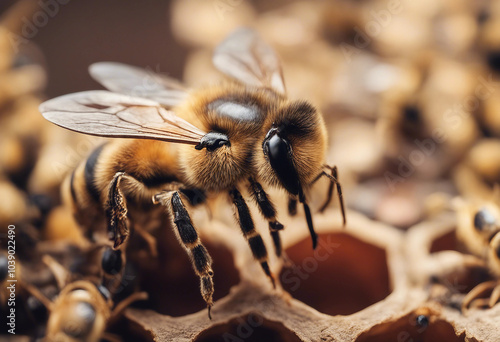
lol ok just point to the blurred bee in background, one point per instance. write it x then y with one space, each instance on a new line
244 132
83 309
478 233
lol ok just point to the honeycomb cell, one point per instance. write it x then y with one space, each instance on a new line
252 328
408 329
446 242
170 280
342 276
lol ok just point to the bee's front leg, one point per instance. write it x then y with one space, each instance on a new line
116 206
116 211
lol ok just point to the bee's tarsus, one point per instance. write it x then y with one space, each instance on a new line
209 309
314 236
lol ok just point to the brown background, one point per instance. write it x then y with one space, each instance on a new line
88 31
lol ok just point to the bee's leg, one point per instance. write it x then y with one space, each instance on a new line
116 207
112 262
201 260
116 211
292 206
334 178
60 273
118 310
477 291
495 296
149 239
268 210
248 228
307 212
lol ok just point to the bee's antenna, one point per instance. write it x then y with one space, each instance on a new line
307 211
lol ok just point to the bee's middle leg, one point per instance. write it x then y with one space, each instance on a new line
268 210
247 226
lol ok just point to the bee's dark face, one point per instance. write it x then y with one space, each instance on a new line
293 147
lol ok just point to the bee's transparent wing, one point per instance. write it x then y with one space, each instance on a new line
107 114
247 58
130 80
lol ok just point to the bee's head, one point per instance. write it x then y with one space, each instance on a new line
294 147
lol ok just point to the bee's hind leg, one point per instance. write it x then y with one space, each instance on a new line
334 180
268 210
254 239
201 260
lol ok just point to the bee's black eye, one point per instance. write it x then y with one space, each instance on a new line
111 261
279 154
484 220
79 321
497 251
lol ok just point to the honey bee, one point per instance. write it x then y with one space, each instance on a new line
192 144
479 233
83 309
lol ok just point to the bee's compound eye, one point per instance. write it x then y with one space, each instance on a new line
4 267
79 320
111 261
484 220
278 152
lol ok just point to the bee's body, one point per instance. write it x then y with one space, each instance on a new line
241 113
246 133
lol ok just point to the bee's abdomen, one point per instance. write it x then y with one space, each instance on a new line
152 164
90 174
